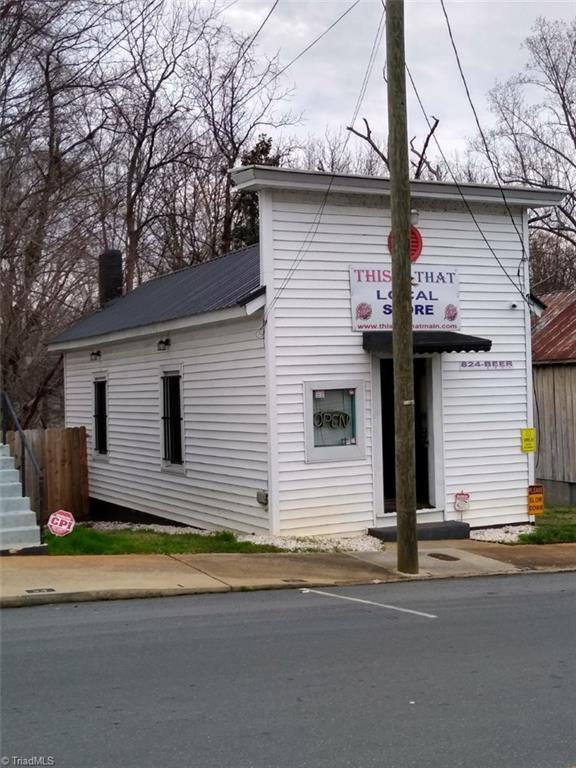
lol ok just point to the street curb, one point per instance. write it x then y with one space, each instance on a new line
27 601
23 601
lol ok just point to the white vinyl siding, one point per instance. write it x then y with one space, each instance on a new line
224 425
312 337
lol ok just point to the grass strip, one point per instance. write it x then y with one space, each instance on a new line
85 541
556 526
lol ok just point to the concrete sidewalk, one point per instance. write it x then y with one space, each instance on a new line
34 580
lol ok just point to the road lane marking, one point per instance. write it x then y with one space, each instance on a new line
369 602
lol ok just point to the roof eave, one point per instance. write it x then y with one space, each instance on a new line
147 331
258 177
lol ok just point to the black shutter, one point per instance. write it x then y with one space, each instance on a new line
100 417
172 419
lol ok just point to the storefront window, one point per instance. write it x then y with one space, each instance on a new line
334 417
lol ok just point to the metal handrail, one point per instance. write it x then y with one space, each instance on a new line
8 413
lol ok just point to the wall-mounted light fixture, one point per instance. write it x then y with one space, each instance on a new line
414 217
95 355
163 345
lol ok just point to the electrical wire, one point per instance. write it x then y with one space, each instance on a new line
456 183
254 36
313 43
310 45
311 234
226 7
374 52
276 75
482 135
461 192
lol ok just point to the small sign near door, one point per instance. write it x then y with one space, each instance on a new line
462 501
535 499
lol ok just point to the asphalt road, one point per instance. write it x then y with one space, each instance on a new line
299 680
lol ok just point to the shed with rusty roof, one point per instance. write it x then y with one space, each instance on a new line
554 366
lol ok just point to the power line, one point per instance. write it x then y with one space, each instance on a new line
457 185
374 52
255 35
311 234
276 75
310 45
226 7
316 40
482 135
461 192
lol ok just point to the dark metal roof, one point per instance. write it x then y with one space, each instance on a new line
427 341
554 332
219 284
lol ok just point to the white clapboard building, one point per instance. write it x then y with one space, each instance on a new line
254 392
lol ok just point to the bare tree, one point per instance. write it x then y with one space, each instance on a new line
45 219
154 116
534 140
238 94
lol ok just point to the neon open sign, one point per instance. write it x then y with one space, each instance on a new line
333 419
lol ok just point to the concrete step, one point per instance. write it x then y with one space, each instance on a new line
14 504
449 529
20 537
17 519
9 475
10 490
4 450
6 462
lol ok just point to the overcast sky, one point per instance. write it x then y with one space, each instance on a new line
326 81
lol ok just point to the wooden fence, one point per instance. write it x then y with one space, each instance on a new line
61 454
555 415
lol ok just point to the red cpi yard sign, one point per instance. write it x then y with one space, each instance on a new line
61 523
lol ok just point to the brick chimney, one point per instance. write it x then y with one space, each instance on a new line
109 275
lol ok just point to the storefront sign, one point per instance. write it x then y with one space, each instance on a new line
535 499
435 298
528 440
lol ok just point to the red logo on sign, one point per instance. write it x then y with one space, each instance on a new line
416 243
61 523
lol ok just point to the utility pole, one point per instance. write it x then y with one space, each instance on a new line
402 342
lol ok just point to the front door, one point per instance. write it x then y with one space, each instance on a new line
421 418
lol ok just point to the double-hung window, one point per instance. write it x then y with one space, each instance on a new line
100 417
172 417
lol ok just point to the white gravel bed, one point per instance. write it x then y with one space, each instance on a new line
508 534
362 543
295 544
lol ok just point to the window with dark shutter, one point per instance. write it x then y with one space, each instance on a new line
172 418
100 417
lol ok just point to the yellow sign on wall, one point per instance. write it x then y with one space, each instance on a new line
535 499
528 439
